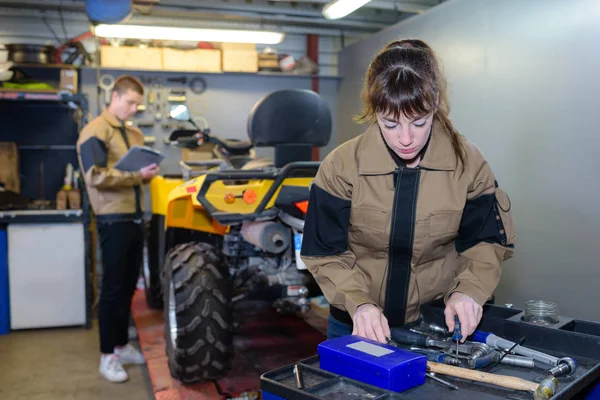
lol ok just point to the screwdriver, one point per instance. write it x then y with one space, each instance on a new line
457 334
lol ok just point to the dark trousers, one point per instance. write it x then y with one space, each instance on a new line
336 329
122 245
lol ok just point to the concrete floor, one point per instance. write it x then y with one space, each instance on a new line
62 364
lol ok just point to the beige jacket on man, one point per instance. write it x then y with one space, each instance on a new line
439 232
114 195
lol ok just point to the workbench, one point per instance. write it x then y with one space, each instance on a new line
570 338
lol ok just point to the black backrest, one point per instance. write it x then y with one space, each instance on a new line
290 116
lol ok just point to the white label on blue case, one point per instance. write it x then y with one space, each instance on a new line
370 348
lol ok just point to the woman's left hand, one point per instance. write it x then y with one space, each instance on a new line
468 311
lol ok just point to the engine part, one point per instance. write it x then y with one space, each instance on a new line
272 237
290 276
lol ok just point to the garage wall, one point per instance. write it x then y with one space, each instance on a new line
524 86
225 104
228 98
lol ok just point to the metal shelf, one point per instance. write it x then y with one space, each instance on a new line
40 95
263 73
48 66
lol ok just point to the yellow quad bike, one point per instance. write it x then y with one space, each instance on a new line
236 234
211 153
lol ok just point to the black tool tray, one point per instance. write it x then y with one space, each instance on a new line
573 338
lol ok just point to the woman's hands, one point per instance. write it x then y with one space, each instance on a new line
369 322
468 311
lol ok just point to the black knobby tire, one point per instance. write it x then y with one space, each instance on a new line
202 348
151 274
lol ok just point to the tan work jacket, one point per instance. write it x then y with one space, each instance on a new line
114 195
400 237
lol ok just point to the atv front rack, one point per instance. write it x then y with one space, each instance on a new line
301 169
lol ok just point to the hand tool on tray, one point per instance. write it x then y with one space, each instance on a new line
457 335
298 376
404 336
432 375
542 391
562 366
435 355
433 328
475 355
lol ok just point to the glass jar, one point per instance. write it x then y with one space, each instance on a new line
541 312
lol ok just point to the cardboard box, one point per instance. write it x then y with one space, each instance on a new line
237 46
239 57
202 153
9 166
196 60
268 62
74 199
68 80
131 57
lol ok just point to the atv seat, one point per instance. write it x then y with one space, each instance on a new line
293 121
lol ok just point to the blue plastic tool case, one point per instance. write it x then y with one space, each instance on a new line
378 364
574 338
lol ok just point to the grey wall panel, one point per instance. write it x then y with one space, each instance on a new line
523 86
225 104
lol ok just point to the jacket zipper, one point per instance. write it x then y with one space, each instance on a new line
391 258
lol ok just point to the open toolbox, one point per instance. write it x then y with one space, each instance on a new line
578 339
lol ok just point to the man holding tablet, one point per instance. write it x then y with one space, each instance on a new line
116 198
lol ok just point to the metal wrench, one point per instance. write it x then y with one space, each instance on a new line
502 344
443 382
106 83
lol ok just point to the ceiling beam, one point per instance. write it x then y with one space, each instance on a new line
192 21
413 7
265 7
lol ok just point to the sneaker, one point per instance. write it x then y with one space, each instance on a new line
130 355
111 369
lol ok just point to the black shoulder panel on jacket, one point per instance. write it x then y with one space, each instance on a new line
326 225
480 222
93 152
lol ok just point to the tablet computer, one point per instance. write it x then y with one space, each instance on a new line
139 157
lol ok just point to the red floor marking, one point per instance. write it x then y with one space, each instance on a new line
264 340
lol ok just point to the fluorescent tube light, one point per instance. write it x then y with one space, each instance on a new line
340 8
187 34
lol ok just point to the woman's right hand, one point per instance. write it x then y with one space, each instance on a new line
369 322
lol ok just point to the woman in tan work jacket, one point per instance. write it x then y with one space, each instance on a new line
408 212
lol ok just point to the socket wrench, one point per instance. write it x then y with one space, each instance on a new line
564 366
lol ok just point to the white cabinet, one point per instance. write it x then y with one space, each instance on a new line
46 263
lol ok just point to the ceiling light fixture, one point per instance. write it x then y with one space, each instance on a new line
337 9
187 34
